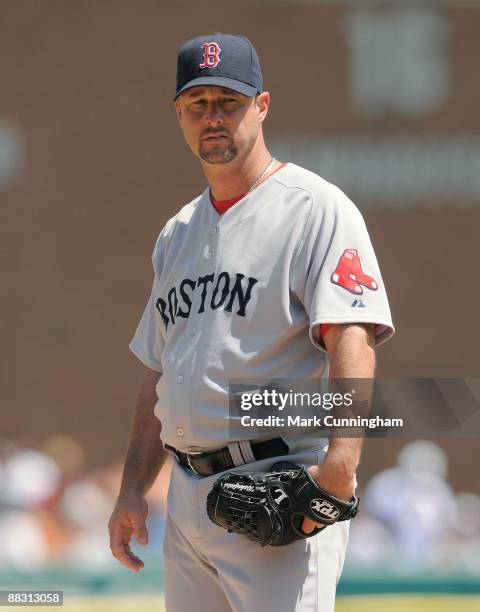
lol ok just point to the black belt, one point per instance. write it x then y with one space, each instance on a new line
207 464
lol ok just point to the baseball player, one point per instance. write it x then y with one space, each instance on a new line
268 274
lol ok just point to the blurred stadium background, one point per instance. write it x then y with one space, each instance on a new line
379 97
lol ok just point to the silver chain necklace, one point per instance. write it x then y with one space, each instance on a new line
260 178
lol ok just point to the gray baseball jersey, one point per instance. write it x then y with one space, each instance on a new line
241 295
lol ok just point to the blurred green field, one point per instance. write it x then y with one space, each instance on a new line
357 603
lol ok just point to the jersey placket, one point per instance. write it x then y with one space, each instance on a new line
217 244
198 325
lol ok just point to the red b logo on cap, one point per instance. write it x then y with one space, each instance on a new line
211 55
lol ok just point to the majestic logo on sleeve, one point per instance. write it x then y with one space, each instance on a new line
211 55
349 274
209 291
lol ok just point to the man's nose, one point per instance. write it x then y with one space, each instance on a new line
214 114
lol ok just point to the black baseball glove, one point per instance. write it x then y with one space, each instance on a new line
269 507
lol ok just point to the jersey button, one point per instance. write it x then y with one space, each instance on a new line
194 331
207 253
180 431
180 379
214 230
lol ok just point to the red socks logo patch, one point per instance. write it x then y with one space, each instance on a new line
349 274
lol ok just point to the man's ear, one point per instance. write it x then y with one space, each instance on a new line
178 110
262 101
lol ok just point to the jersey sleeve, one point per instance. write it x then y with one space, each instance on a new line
148 341
336 274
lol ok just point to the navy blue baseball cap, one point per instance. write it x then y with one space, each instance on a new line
225 60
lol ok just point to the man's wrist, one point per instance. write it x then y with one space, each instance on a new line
131 491
344 467
334 479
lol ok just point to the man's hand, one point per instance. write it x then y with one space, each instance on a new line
128 518
145 457
336 481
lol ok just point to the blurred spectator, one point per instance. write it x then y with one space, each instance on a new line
23 544
67 453
412 519
31 478
413 500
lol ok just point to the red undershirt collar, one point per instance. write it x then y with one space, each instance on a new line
222 206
